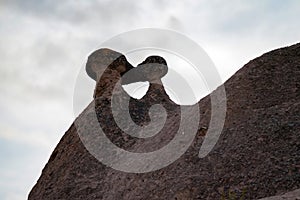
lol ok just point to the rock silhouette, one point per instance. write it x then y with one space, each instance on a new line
257 155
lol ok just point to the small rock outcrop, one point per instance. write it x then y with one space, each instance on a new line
256 156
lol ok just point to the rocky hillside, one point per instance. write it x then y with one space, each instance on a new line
257 155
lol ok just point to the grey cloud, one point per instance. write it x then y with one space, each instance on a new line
175 24
31 6
75 12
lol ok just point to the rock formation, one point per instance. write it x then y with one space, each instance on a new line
257 155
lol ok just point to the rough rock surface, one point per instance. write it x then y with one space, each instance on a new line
292 195
257 155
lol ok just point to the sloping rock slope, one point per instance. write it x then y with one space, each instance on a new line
257 155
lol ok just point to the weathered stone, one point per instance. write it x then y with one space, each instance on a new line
257 155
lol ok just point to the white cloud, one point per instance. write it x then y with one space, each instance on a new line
30 138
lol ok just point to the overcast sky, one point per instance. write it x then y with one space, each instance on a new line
44 44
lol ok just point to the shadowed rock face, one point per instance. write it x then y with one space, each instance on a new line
151 70
257 155
292 195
